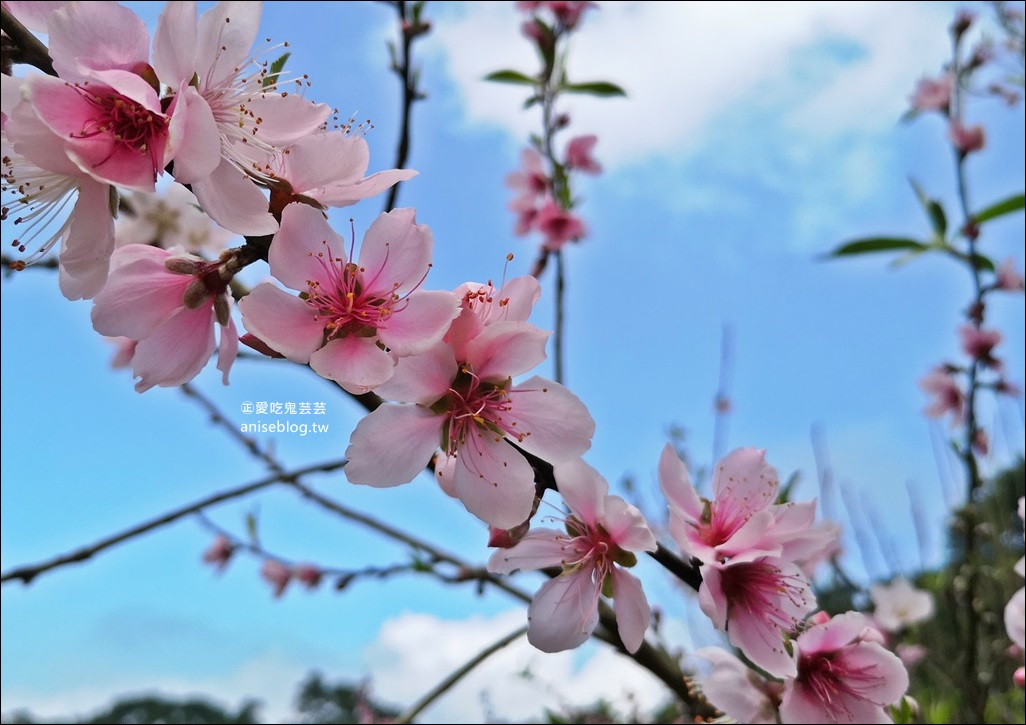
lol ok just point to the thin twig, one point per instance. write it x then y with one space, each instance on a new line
27 573
28 50
452 679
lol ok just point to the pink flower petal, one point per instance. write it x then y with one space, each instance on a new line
343 195
356 363
745 477
396 253
421 324
176 351
539 549
93 36
423 378
174 44
493 480
195 142
286 118
676 484
228 350
225 34
374 457
584 490
303 246
233 201
506 349
564 612
87 248
626 525
285 322
632 611
560 426
140 297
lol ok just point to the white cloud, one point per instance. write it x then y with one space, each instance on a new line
414 652
822 67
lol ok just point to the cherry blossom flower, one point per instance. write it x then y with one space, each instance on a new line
353 319
899 604
966 139
327 170
532 181
979 344
736 689
219 553
567 12
170 218
933 94
1008 277
276 574
472 410
558 226
843 677
602 534
579 155
482 305
757 603
171 304
233 105
39 184
948 395
736 524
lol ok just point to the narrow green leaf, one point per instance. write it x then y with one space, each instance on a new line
596 88
1012 203
276 68
251 528
984 263
877 244
938 219
511 76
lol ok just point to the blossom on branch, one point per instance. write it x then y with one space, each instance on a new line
602 535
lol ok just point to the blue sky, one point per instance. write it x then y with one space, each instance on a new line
754 138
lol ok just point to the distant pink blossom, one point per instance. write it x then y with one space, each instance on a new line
170 218
219 553
601 536
470 408
308 575
899 604
842 677
579 155
966 139
1008 277
736 689
948 395
979 344
172 305
354 317
758 603
532 180
558 226
567 12
276 574
933 94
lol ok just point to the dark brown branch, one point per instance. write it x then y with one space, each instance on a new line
26 48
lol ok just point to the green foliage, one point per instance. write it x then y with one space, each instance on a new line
276 68
1006 206
602 89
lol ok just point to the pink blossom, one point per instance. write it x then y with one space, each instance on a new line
39 184
532 180
237 120
979 344
526 210
966 139
86 38
482 305
737 522
354 319
470 408
736 690
276 574
842 677
308 575
948 395
32 13
758 603
327 170
899 604
602 534
558 226
579 155
170 218
171 304
933 94
125 351
219 553
1008 277
567 12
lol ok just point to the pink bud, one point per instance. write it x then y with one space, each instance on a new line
277 575
1019 677
966 139
219 553
308 575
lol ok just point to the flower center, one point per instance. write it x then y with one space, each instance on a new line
128 123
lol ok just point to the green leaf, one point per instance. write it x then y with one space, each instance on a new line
1012 203
938 219
984 263
511 76
251 528
877 244
276 68
603 89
